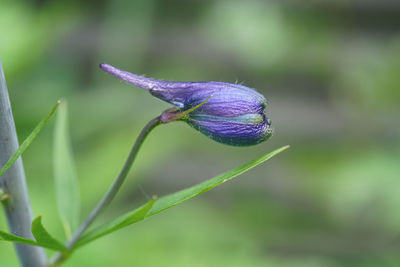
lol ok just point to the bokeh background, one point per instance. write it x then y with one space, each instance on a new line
330 70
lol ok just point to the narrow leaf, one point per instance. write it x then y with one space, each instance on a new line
28 141
156 206
65 175
121 222
43 238
14 238
186 194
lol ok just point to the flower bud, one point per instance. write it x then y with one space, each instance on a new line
228 113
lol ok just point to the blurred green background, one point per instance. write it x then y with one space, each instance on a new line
330 70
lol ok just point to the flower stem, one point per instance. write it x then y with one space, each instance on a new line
14 192
58 258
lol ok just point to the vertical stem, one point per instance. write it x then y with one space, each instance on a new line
16 206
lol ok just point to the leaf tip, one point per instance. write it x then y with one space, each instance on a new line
37 219
286 147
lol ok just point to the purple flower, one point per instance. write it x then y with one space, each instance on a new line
228 113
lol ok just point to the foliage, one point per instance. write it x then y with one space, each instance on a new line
28 141
68 195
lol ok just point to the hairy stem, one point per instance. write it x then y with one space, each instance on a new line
14 194
58 258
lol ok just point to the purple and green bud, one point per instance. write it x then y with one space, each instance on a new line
228 113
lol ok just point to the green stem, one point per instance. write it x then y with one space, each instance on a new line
58 258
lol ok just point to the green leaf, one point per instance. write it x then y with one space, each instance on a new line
43 238
14 238
155 206
28 141
186 194
65 175
121 222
